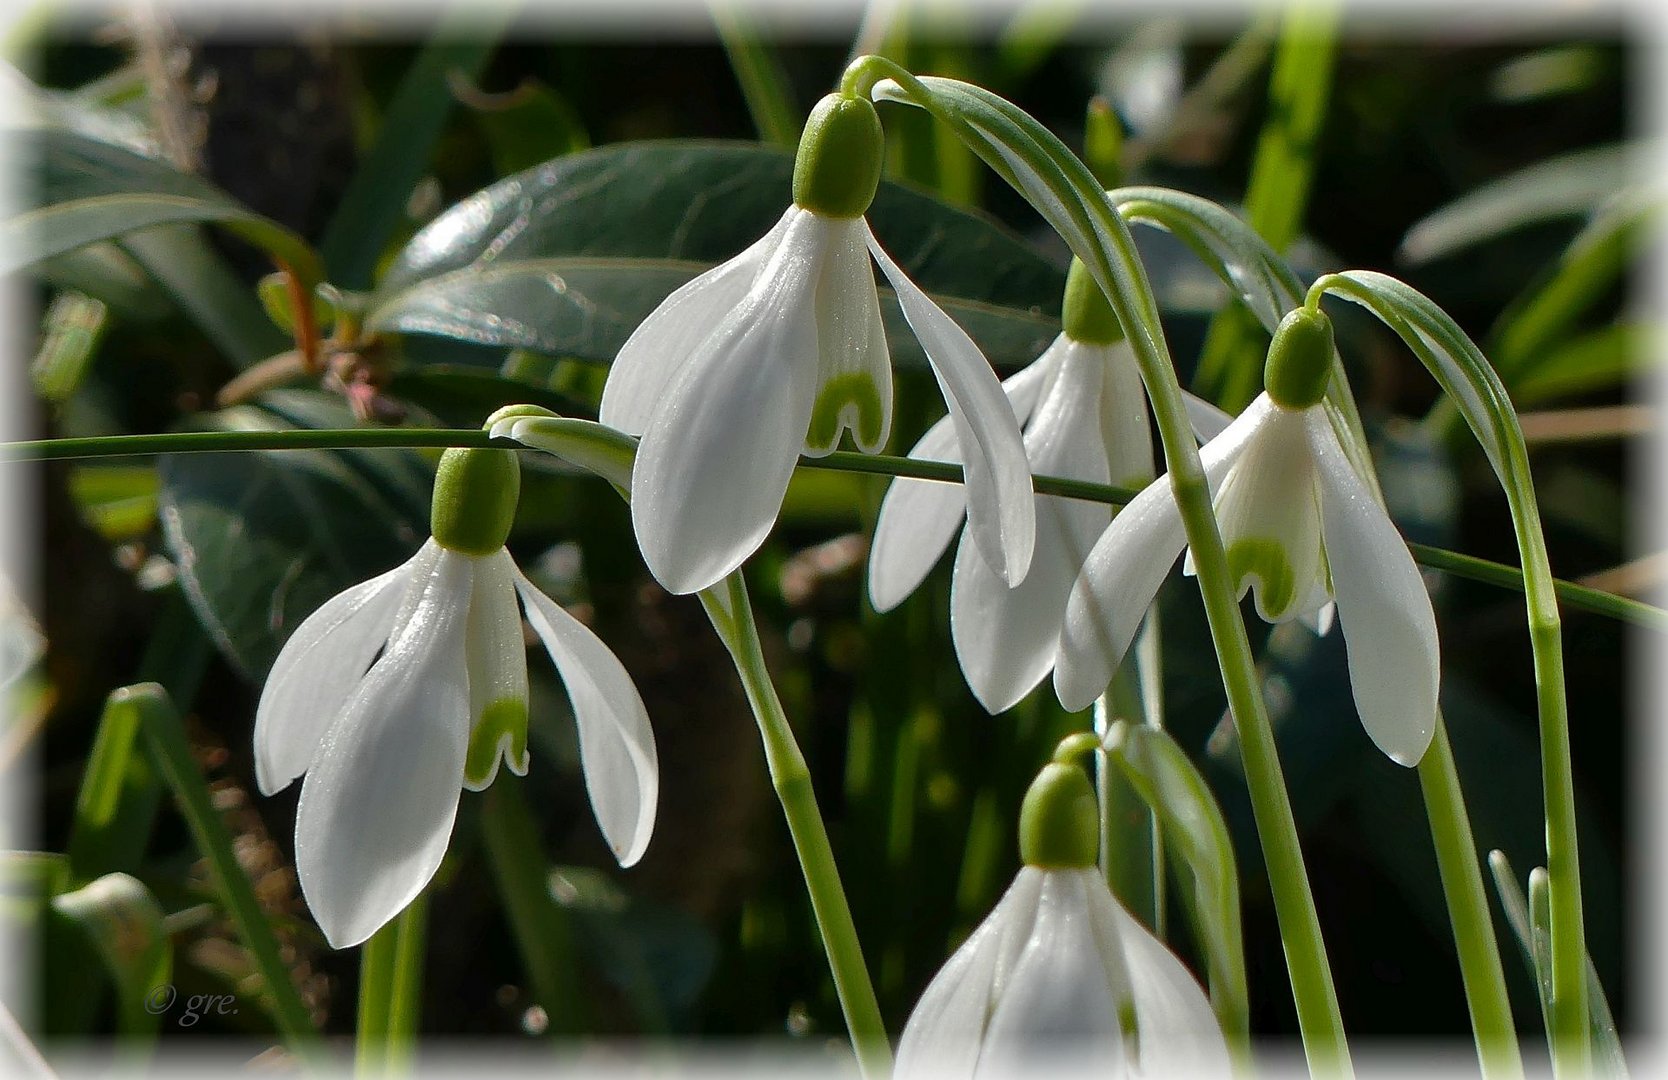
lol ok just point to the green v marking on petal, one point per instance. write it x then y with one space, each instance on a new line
1266 561
502 726
854 388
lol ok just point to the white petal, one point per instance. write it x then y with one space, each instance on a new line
1000 511
1058 1006
1125 568
616 744
1124 427
1178 1031
497 660
1206 419
377 805
659 347
1005 639
918 518
855 369
716 457
1269 514
946 1027
1389 627
318 668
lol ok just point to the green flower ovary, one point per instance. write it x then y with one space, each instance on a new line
475 494
1059 822
837 170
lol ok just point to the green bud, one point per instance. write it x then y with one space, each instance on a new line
1299 359
1103 143
1085 314
1059 822
840 154
475 494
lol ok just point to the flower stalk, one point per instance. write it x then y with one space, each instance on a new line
1063 190
731 613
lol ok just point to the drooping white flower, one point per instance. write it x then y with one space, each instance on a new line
1301 531
776 353
1059 978
1084 417
401 691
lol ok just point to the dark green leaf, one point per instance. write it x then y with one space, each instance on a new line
86 191
124 923
569 256
262 539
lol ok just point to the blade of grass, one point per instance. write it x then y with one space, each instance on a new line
1278 191
764 83
375 199
541 927
171 751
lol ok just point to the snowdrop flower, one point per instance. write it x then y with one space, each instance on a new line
779 351
1084 416
1301 531
1059 976
401 691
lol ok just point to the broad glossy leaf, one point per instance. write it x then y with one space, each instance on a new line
587 307
622 225
264 538
86 191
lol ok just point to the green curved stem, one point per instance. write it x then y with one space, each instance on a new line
1468 378
1468 911
1581 597
1067 195
731 614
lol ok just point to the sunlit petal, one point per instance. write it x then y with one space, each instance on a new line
946 1027
716 457
1057 1007
319 667
1000 509
652 356
1006 639
1178 1033
616 744
1389 627
378 802
919 518
1123 571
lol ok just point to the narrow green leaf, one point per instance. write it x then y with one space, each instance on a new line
1593 361
1527 916
764 83
126 927
374 202
86 191
1278 191
201 284
165 737
542 929
1572 184
1197 837
117 800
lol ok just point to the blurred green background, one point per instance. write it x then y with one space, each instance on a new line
711 935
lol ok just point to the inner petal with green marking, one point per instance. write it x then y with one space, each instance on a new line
854 389
500 731
1270 516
